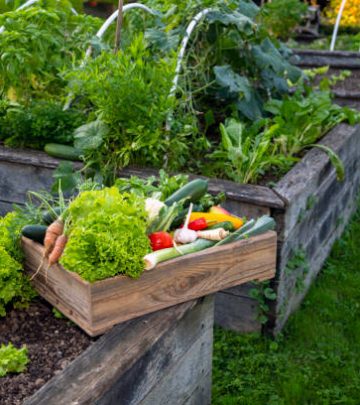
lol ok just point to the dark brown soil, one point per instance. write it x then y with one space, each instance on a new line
52 344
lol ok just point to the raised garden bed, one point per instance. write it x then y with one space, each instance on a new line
311 209
163 356
346 92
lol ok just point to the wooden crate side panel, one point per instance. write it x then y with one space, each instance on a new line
65 290
127 361
183 279
174 367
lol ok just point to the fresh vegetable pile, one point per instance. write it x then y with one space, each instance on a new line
136 224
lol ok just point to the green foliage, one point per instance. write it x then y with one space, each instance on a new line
38 123
128 93
37 45
12 360
15 288
263 293
316 360
107 235
297 122
280 17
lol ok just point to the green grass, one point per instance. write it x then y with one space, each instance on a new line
317 359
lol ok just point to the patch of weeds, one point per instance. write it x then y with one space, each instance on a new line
262 293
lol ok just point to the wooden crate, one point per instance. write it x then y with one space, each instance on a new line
96 307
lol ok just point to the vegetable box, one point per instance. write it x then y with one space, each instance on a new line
98 306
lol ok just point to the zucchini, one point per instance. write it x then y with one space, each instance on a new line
49 216
63 151
193 191
262 225
227 225
233 236
35 232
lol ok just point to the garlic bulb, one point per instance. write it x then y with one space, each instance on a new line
185 235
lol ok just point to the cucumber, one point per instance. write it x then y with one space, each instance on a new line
62 151
49 216
35 232
193 190
227 225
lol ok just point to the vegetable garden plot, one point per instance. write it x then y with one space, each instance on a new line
96 307
347 92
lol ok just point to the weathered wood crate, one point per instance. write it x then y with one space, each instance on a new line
161 358
98 306
311 209
346 92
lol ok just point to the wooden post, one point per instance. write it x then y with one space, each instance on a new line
119 23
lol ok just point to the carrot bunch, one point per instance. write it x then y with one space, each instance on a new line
54 244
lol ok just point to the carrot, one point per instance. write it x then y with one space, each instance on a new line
58 249
53 232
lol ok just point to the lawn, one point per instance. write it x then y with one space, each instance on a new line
317 358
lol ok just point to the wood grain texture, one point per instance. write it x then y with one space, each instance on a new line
121 298
130 361
63 289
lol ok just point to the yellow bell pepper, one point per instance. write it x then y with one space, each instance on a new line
216 218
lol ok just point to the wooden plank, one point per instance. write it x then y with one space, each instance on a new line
318 58
126 363
236 313
121 298
247 193
65 290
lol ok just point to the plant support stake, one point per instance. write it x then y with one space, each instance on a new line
102 31
337 24
119 23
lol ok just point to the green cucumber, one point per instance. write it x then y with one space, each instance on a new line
49 216
63 151
34 232
227 225
193 191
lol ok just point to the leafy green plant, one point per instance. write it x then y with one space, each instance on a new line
12 360
263 293
36 45
38 123
244 154
107 235
280 17
128 93
15 288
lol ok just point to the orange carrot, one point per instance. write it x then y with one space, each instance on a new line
53 231
57 250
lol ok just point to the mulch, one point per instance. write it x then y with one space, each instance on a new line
52 344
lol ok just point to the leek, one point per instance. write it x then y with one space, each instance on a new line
154 258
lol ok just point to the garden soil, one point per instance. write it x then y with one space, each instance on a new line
52 344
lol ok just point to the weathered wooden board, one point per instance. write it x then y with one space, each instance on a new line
145 361
98 306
